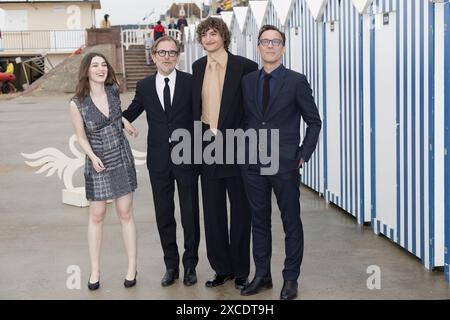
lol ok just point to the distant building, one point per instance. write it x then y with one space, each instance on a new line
48 15
50 30
191 11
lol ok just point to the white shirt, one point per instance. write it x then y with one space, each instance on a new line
160 84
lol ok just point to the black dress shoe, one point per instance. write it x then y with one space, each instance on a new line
258 284
289 290
190 277
240 283
130 283
170 276
218 280
93 286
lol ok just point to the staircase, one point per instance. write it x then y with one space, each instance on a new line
136 67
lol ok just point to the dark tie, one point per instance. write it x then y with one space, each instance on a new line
266 92
167 103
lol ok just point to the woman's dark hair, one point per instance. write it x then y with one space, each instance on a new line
215 24
106 16
83 87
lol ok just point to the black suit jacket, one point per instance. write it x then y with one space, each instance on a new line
231 113
161 126
291 100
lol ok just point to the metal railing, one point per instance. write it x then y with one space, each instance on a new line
137 36
48 40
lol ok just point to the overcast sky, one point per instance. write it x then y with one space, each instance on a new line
130 11
133 11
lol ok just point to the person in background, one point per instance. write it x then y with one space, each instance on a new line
9 67
105 22
158 31
148 48
182 22
8 85
172 25
219 9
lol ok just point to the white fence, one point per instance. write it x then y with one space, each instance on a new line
48 40
380 74
137 36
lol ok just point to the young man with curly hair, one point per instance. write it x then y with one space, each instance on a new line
217 103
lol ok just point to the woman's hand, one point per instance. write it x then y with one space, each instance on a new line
97 163
129 128
132 131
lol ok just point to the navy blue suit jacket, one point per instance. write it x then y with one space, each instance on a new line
291 101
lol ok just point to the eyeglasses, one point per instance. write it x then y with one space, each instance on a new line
275 42
163 53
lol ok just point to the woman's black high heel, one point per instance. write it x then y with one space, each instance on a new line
93 286
130 283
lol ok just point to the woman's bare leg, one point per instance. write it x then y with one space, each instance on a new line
124 208
97 211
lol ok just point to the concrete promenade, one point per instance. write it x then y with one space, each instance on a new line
40 237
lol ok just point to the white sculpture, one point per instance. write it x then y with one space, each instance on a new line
54 160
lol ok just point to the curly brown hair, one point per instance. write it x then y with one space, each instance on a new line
215 24
83 88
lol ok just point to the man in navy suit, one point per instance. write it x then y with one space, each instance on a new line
276 98
166 97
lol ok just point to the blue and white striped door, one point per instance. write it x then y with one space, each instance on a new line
332 112
383 125
311 45
447 139
295 49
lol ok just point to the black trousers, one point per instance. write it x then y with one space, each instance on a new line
228 249
287 191
163 186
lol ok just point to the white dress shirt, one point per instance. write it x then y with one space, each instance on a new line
160 84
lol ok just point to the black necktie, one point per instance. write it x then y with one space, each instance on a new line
167 103
266 92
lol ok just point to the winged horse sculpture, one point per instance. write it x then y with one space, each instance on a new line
53 160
